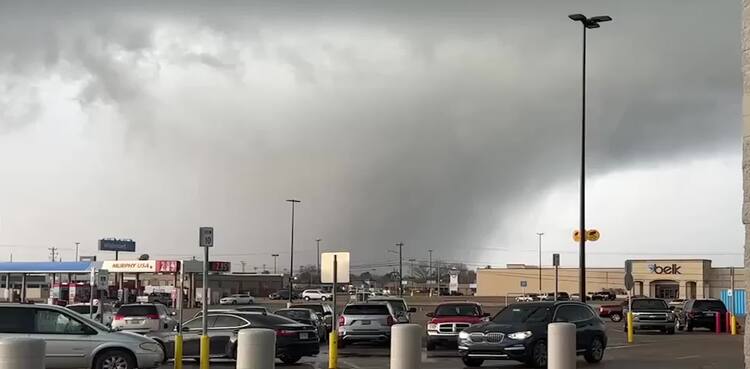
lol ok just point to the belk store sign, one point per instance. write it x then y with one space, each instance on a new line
664 269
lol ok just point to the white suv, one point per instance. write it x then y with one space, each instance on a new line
143 318
238 299
308 295
77 342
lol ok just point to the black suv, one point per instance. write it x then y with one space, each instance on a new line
519 332
701 313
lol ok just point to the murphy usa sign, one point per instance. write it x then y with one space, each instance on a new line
664 269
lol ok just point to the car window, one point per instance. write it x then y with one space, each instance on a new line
227 321
649 304
457 310
269 320
366 310
197 323
82 309
55 322
294 314
522 314
137 310
572 313
16 320
713 305
316 308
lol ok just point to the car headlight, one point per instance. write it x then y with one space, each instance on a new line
432 327
670 317
520 335
150 346
463 335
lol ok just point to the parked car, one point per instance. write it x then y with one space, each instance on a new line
615 312
398 305
64 332
529 297
701 313
156 298
550 296
237 299
324 311
308 317
102 313
519 332
283 295
293 340
244 309
677 302
651 314
143 318
449 319
603 296
366 321
308 295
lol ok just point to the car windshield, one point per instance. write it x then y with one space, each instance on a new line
366 310
522 314
650 304
137 310
713 305
457 310
83 309
398 306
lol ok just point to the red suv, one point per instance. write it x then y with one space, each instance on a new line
449 319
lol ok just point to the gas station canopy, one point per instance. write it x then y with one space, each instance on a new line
47 267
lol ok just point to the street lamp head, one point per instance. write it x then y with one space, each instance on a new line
318 239
293 200
577 17
601 18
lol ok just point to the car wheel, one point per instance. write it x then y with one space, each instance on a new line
472 362
595 352
114 359
670 330
341 343
538 357
688 326
234 302
323 298
290 359
307 298
615 317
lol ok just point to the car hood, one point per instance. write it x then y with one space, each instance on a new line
488 327
456 319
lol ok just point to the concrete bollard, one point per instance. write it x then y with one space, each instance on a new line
561 348
22 353
406 346
256 349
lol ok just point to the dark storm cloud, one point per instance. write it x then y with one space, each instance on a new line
430 147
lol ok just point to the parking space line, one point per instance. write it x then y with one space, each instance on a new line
353 366
687 357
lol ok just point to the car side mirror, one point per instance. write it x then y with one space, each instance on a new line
486 315
412 310
430 315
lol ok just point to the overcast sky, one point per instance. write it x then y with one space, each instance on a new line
451 126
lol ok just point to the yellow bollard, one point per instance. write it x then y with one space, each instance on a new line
333 350
205 352
734 325
177 352
630 327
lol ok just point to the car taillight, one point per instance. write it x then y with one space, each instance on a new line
342 320
601 309
119 317
152 316
390 321
285 333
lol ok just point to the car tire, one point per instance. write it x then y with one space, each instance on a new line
234 302
114 359
595 351
290 359
323 298
341 343
615 317
307 298
670 330
538 357
688 326
472 362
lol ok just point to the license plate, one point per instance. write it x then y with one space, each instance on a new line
303 336
135 321
710 313
365 322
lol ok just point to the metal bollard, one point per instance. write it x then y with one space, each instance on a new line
728 316
406 346
630 326
561 347
734 325
22 353
177 352
256 348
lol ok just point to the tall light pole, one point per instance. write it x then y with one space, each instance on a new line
77 243
429 274
400 246
274 262
317 242
588 23
291 251
540 234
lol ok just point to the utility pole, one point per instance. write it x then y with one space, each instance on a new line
317 242
400 269
540 260
411 268
264 268
437 265
293 202
429 270
243 266
77 243
53 253
274 262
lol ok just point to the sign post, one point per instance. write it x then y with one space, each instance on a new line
335 269
523 287
206 238
556 263
629 285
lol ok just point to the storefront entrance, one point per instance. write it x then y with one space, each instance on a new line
665 289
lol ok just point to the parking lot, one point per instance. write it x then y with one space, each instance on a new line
699 349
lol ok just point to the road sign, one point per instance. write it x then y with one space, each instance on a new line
102 278
524 284
555 259
629 282
342 267
207 236
111 244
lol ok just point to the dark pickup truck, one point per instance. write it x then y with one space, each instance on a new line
652 314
